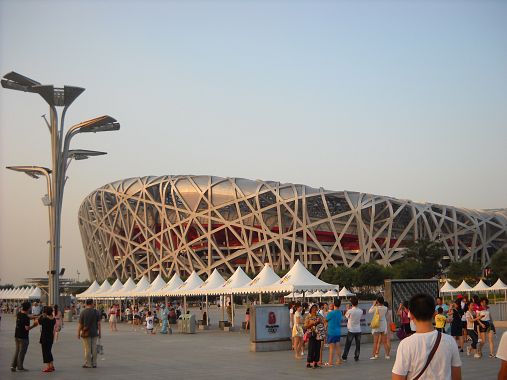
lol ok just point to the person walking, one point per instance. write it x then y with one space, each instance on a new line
456 314
21 337
113 317
472 318
334 321
297 331
314 324
47 335
58 321
427 354
380 330
353 316
89 330
404 319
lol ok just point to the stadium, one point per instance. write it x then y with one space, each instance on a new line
149 225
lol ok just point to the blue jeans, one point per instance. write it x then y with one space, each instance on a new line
348 343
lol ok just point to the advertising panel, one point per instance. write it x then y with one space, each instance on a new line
270 323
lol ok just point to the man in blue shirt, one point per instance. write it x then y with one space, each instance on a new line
334 321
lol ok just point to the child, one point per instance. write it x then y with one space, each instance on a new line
150 323
440 320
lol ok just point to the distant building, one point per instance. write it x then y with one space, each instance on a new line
143 226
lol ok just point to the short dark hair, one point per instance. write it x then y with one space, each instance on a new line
25 306
422 307
380 300
386 304
49 310
354 301
337 303
440 310
89 301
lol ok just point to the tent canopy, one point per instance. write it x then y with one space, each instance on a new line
266 277
157 284
464 287
91 290
215 280
297 279
447 288
194 281
127 287
117 285
141 286
238 280
172 285
480 287
346 293
498 285
104 288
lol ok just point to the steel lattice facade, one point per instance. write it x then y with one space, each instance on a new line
147 225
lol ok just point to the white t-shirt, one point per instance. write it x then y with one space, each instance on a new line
149 322
501 353
353 316
291 318
486 314
470 320
414 350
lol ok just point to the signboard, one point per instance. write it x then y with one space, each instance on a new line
270 323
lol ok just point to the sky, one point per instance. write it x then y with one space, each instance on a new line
405 99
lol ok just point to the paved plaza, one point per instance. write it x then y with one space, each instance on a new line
211 354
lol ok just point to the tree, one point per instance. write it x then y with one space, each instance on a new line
370 274
499 264
429 254
408 268
464 270
341 275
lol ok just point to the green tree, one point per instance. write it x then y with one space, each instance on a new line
499 264
408 268
369 275
429 254
464 270
345 276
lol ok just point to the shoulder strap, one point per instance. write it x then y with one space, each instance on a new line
430 357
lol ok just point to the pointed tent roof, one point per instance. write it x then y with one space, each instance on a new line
480 287
36 294
464 287
172 285
447 288
498 285
214 281
117 285
141 286
91 289
105 287
316 293
331 293
346 293
125 290
294 295
157 284
194 281
266 277
238 280
298 279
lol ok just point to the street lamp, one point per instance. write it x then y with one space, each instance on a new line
61 156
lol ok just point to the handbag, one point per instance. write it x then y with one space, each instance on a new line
375 321
100 348
430 356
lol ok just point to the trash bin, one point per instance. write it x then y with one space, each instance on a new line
67 316
188 324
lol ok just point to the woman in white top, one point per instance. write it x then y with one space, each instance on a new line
379 333
485 318
297 332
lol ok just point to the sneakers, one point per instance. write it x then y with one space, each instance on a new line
374 357
491 355
469 350
388 357
13 369
477 356
479 340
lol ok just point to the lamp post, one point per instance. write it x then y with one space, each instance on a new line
61 156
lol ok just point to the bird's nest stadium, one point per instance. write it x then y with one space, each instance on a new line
147 225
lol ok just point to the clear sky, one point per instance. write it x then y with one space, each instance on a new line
406 99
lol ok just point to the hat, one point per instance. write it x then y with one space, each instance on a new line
459 297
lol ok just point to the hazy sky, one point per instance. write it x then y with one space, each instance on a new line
407 99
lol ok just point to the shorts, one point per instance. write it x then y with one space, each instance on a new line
333 339
112 318
486 328
464 324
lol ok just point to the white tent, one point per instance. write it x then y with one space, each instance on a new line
294 295
215 280
100 292
192 282
316 294
266 277
173 284
91 289
238 280
141 286
332 293
480 287
297 279
117 285
125 290
157 284
464 287
447 288
36 294
498 285
345 293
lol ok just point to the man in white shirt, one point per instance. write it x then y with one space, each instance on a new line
414 351
502 355
353 316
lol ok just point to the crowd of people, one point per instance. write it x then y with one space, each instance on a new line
460 326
